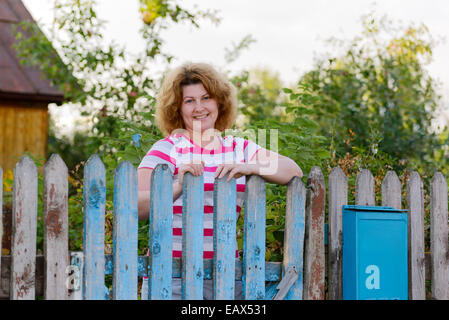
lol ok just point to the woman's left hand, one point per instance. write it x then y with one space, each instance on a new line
236 170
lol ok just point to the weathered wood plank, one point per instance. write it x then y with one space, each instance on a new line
254 239
315 268
23 244
1 211
364 189
416 263
124 279
439 237
192 237
56 230
94 198
338 197
160 234
225 220
294 235
391 191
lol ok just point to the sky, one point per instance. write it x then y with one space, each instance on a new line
289 34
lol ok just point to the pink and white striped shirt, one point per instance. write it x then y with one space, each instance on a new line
177 149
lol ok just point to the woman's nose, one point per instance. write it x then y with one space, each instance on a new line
198 105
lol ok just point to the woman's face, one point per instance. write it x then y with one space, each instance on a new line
198 110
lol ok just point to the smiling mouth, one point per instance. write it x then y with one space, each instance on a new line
204 116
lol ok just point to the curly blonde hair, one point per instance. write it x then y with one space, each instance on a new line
169 100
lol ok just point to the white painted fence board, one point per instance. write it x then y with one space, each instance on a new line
364 189
391 190
23 242
416 265
338 196
439 237
56 233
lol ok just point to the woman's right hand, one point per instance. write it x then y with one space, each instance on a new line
194 168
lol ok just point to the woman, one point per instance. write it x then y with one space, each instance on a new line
194 105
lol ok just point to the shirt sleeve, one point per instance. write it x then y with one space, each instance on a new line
250 150
160 153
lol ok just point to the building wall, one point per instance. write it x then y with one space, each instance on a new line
23 128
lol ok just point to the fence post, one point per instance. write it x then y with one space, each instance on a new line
253 277
225 204
192 237
364 189
439 237
56 233
160 234
391 190
315 267
416 264
23 244
94 199
294 235
338 197
124 283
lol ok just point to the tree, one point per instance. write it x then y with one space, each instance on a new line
113 87
378 94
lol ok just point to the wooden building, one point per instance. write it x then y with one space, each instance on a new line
24 95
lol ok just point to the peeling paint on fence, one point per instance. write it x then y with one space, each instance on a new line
23 244
94 196
160 234
124 279
254 239
294 235
56 233
225 220
192 237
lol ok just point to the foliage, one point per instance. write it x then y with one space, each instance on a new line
379 93
288 129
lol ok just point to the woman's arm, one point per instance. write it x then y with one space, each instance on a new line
276 168
144 184
143 192
270 165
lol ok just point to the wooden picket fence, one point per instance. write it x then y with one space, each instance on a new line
54 274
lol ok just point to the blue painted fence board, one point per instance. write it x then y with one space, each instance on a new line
160 234
254 239
125 233
225 220
192 237
294 235
94 197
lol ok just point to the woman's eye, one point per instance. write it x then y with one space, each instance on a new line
188 101
206 98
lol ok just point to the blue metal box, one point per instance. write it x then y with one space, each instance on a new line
374 253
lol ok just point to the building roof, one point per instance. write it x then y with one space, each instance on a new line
18 81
